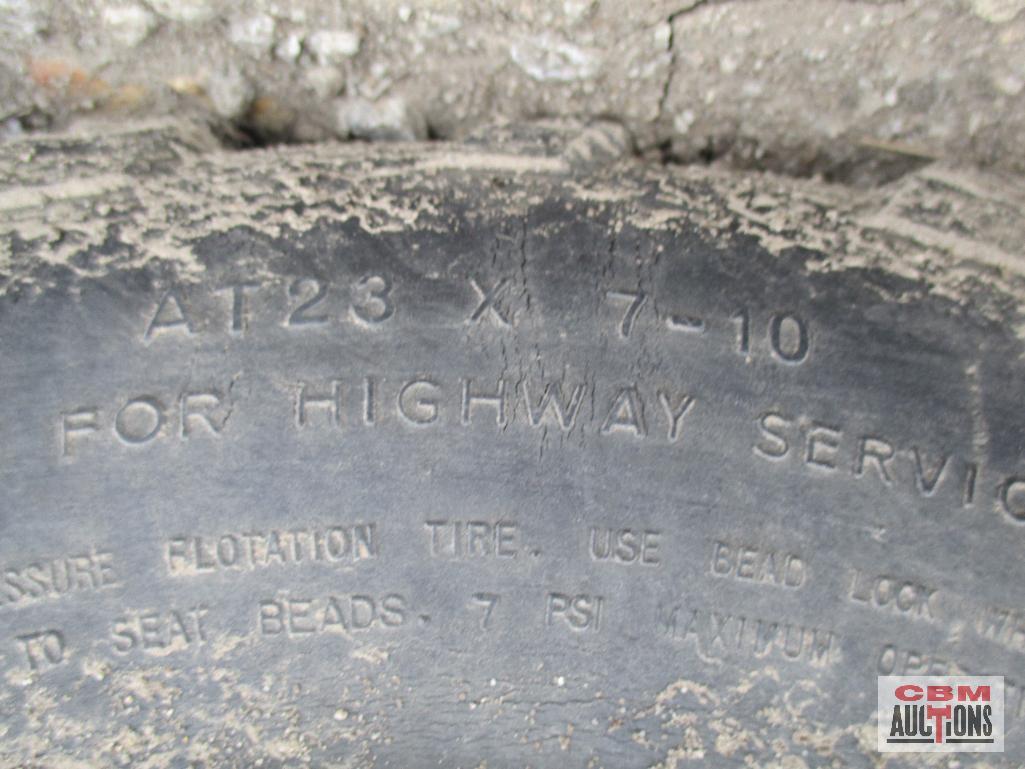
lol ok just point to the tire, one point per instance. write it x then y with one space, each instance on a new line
503 454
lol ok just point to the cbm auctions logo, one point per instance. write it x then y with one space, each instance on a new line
941 714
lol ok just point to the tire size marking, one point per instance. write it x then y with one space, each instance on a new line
312 303
309 303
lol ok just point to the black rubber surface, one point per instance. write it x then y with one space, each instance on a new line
543 488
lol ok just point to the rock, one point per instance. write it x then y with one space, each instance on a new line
128 25
545 57
254 34
389 119
325 82
230 93
289 48
185 11
333 46
22 19
997 11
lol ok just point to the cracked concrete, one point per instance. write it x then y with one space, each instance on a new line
856 91
671 48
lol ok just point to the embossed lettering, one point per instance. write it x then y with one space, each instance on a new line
296 617
159 631
170 315
626 413
44 649
248 550
580 612
625 546
755 564
472 539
